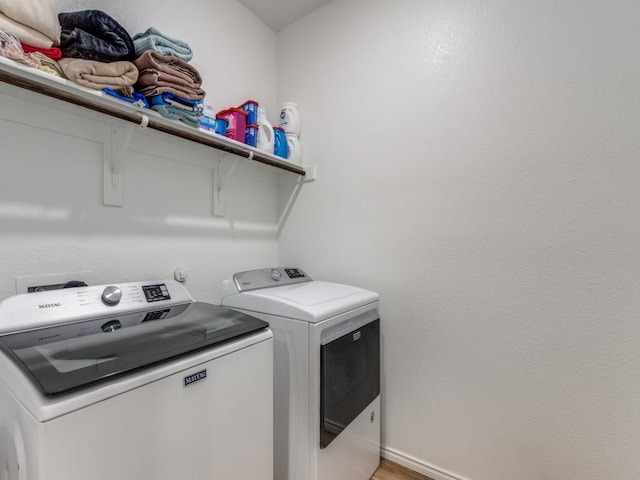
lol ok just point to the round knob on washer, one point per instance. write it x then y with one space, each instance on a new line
111 296
276 275
111 326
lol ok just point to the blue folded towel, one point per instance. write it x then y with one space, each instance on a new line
137 98
171 99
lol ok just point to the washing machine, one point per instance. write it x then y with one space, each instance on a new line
326 371
133 381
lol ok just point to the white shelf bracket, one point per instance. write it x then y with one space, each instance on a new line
309 177
114 151
113 156
219 182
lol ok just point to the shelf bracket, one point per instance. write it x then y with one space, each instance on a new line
309 177
113 155
219 182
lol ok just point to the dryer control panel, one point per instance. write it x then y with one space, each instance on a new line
269 277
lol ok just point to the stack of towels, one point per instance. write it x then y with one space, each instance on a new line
29 33
97 53
92 49
171 85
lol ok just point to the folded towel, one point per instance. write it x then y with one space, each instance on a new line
132 97
99 75
48 65
165 73
94 35
174 113
33 21
159 89
177 102
53 53
153 39
10 48
24 33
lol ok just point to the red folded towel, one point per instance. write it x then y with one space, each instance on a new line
53 52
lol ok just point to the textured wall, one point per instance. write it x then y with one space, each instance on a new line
478 166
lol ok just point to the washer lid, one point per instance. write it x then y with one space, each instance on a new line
311 301
61 358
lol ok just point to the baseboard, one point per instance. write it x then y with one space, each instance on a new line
417 465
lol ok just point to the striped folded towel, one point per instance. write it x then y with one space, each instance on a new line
153 39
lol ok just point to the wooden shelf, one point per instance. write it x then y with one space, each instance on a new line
51 86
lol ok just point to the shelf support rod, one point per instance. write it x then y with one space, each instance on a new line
310 177
219 182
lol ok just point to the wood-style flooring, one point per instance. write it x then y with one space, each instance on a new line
392 471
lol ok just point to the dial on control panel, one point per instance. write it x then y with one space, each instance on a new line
275 275
111 326
111 296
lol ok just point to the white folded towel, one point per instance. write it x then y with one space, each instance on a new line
34 22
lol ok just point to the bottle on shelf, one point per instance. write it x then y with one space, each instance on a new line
265 132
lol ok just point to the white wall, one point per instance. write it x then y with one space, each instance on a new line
51 213
478 166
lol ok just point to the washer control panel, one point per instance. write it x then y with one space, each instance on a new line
269 277
39 309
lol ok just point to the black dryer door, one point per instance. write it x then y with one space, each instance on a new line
349 378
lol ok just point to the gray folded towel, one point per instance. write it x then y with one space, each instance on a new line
155 40
175 113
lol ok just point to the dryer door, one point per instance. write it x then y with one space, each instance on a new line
349 376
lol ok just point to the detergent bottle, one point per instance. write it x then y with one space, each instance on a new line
265 132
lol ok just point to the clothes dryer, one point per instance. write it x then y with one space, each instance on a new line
326 371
